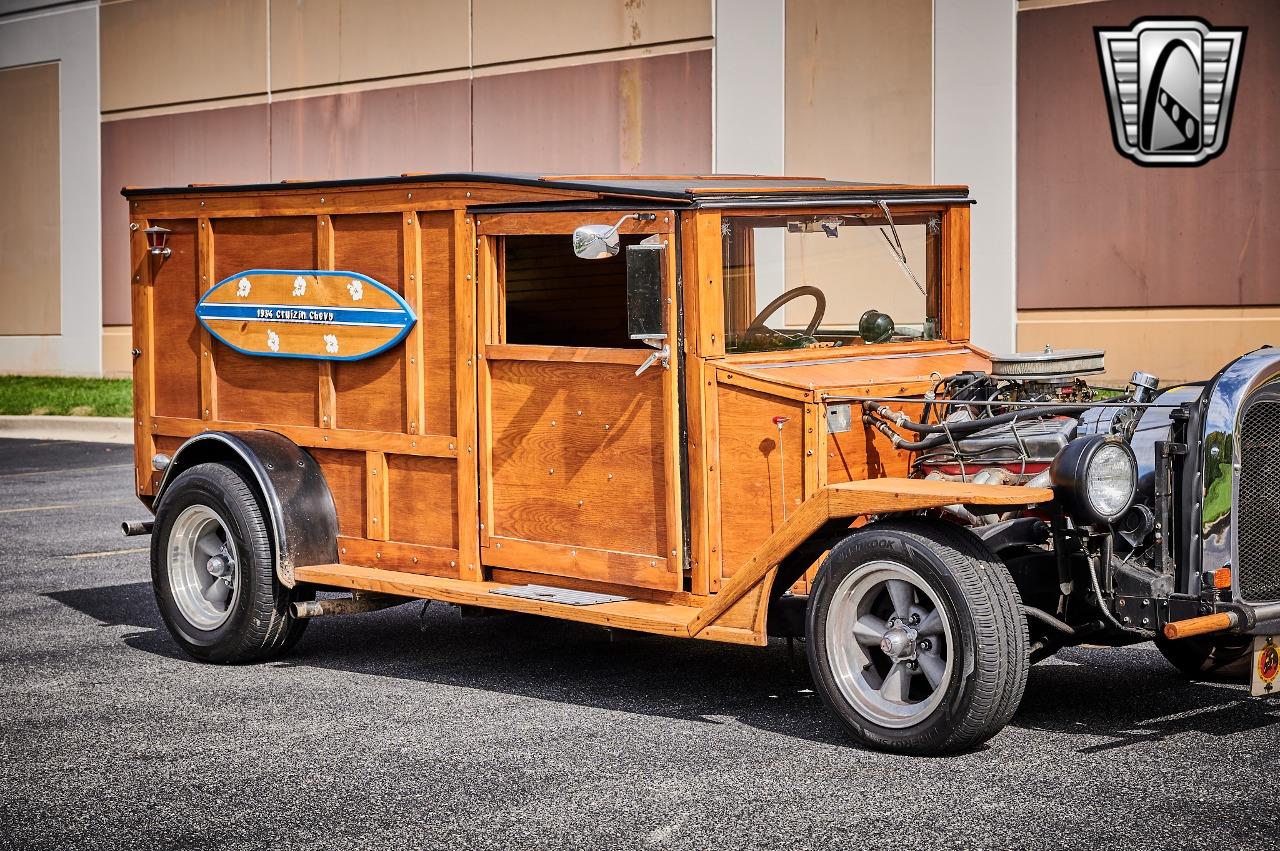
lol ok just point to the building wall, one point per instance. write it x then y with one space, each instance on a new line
49 231
235 91
1168 268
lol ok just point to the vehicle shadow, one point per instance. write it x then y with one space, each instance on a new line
1124 697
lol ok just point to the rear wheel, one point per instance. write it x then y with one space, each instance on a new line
916 639
213 570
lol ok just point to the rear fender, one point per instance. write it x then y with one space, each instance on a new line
298 503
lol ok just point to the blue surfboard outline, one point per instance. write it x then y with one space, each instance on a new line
319 273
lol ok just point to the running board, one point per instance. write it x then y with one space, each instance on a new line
638 615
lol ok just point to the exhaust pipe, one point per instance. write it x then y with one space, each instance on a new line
136 527
346 605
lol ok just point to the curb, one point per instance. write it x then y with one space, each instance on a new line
87 429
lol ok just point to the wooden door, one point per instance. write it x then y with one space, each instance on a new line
579 466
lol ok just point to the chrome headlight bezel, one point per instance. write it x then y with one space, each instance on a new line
1077 478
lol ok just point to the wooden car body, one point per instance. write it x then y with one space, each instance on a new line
473 453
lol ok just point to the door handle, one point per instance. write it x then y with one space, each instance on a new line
663 354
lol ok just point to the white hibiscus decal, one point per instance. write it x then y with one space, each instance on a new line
331 343
242 288
299 285
356 288
273 341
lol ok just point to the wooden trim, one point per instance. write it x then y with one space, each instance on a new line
695 416
208 369
464 241
748 380
547 224
144 388
377 496
824 187
814 459
327 397
646 571
489 313
709 283
672 432
955 273
746 360
426 445
566 354
394 555
714 508
414 375
513 576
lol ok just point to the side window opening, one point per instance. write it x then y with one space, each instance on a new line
555 299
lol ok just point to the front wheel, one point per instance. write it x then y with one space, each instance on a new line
213 570
916 639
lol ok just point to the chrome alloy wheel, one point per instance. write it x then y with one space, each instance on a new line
890 644
203 570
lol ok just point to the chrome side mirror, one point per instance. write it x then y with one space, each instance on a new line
600 242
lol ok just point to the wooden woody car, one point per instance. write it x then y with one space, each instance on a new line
702 407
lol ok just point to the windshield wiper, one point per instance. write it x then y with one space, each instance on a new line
896 249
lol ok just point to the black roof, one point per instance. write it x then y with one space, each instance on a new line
689 189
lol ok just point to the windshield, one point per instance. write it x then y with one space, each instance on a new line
793 281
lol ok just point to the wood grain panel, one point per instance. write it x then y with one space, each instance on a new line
344 471
578 455
750 469
255 389
437 322
424 505
177 334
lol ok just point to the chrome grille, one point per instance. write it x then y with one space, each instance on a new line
1258 541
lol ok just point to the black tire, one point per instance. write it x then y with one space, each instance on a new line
1209 656
988 643
259 621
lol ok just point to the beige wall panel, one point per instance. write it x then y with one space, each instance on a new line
508 30
372 133
304 43
174 51
386 38
634 116
1176 344
208 146
30 268
859 89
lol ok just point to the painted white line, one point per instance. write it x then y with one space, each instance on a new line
64 505
110 553
67 470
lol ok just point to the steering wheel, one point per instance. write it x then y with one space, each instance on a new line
758 329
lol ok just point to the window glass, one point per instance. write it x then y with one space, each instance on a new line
793 281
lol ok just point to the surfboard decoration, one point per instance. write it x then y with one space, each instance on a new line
305 313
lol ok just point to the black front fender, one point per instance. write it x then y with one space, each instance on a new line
294 493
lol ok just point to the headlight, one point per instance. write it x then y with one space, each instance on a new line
1095 477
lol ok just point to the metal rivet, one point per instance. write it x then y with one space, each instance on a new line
611 476
376 554
553 423
551 472
321 200
573 553
133 225
579 503
653 564
606 426
201 204
344 550
415 559
451 446
453 564
468 277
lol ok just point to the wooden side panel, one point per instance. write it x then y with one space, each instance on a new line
955 273
424 507
344 471
177 334
251 389
578 455
437 322
370 394
752 468
864 453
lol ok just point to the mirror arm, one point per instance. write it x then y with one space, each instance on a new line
639 217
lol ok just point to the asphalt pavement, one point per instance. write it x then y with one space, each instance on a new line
419 728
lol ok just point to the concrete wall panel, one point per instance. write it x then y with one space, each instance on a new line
209 146
30 279
511 30
173 51
640 115
1096 230
859 89
372 133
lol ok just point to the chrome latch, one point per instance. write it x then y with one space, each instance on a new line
663 354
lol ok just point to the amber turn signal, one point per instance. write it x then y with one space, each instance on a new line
1222 578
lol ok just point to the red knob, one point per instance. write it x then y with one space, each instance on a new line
778 421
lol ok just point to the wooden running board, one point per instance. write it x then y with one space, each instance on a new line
639 615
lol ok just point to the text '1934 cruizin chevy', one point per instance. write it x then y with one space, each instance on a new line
721 408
